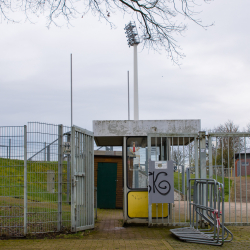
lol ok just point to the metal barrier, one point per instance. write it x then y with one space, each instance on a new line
207 207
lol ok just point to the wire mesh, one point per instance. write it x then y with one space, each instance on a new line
12 181
229 163
48 179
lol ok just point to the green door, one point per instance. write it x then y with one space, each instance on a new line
106 185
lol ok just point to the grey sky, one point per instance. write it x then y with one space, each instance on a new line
212 83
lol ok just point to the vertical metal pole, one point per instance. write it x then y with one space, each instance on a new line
210 157
44 151
239 147
48 153
128 99
71 90
229 167
25 180
196 158
188 177
183 180
136 102
73 187
96 203
9 147
202 144
93 178
245 176
68 172
149 201
125 199
203 173
235 206
60 162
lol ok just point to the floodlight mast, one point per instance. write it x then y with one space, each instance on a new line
133 40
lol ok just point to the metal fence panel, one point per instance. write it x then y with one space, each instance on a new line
40 192
48 206
12 181
82 143
229 163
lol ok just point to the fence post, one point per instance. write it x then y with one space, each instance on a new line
68 173
25 181
48 153
202 144
210 157
183 179
149 201
188 186
196 158
60 161
203 169
73 191
44 151
9 147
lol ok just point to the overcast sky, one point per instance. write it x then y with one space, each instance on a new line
212 83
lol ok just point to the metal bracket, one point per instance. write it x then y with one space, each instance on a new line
79 174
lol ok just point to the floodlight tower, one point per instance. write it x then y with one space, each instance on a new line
133 40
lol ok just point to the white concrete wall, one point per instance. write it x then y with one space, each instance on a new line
143 127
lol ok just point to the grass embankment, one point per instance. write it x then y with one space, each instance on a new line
12 180
42 203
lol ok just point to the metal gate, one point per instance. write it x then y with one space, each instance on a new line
182 149
82 174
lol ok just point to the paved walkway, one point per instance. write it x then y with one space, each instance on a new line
109 234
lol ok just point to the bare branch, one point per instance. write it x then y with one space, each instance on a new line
158 23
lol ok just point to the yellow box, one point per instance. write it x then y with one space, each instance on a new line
138 205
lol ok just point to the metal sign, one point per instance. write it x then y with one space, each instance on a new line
160 165
161 182
66 148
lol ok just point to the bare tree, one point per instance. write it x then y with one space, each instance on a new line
157 19
226 147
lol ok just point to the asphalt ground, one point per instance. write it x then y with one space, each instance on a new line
110 234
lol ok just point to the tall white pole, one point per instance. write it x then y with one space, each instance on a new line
136 102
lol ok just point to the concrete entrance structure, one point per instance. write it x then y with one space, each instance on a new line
132 136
